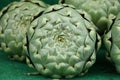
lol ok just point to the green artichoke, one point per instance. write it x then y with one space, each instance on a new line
62 42
14 21
101 12
112 42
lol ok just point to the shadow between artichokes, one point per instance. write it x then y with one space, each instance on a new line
62 42
14 21
100 12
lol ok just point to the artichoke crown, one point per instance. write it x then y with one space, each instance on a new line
62 42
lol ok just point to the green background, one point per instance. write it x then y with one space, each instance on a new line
13 70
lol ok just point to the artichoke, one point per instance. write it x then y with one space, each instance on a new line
62 42
112 42
14 21
101 12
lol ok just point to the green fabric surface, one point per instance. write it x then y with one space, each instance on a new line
13 70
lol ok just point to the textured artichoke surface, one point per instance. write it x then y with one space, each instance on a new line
112 43
101 12
62 43
14 21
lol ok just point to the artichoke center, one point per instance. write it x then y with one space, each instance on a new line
60 38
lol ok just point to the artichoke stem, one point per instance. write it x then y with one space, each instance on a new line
32 73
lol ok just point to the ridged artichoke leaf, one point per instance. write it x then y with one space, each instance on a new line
115 54
90 61
115 30
92 32
98 42
37 2
2 12
17 57
107 41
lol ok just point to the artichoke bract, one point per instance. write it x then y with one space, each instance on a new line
112 42
62 43
101 12
14 21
